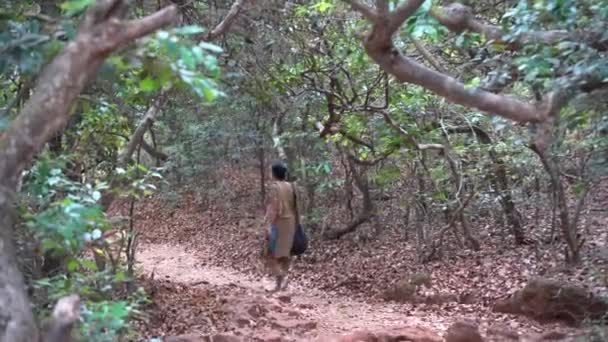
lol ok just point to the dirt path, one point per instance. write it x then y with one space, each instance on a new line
324 313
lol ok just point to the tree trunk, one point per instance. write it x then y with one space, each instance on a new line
362 184
466 230
43 115
262 163
261 154
310 196
500 180
348 189
567 228
17 322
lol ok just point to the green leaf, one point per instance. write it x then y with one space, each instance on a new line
96 195
72 265
120 277
439 195
426 6
578 188
148 84
210 93
189 30
89 264
121 310
187 57
323 6
210 47
75 6
96 234
198 53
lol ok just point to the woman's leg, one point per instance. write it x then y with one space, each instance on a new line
279 267
284 264
276 271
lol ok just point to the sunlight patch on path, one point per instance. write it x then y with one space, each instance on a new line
177 265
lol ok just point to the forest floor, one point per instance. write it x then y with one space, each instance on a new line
200 263
244 306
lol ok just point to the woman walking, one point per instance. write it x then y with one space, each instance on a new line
281 217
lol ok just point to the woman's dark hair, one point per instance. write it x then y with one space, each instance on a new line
279 171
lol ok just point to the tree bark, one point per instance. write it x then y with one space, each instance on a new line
285 153
159 155
458 17
567 227
65 315
45 113
136 139
362 184
261 154
225 24
16 319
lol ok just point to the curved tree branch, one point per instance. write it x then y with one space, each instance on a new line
135 140
379 46
160 155
458 18
225 24
427 55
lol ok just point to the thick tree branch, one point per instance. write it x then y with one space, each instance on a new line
332 128
382 7
406 70
138 134
427 55
458 18
160 155
380 48
408 138
225 24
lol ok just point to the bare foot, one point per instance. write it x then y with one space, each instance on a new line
285 283
273 290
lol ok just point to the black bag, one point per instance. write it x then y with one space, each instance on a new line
300 240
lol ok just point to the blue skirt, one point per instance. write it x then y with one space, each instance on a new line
272 239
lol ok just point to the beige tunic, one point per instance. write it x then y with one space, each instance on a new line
286 221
